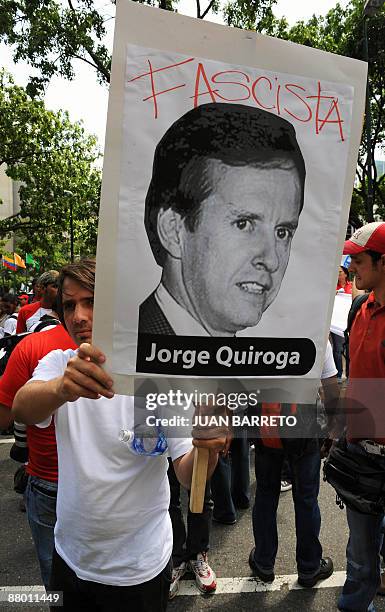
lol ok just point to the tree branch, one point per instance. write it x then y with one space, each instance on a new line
83 59
71 7
100 66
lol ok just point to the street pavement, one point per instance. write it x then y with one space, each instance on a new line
230 547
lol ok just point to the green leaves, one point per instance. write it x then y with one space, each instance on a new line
341 31
249 14
50 35
53 161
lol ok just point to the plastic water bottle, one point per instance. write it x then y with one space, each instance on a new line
150 445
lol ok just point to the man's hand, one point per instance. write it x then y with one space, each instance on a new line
219 444
84 376
216 439
211 431
214 445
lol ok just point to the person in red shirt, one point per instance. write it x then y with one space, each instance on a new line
23 299
31 313
365 410
40 495
344 284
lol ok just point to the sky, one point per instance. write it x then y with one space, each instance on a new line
86 100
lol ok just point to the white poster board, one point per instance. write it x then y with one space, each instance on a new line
164 67
339 322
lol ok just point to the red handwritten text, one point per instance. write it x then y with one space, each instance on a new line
312 106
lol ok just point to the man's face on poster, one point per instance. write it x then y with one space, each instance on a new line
234 261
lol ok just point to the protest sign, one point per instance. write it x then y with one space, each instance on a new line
229 166
345 261
339 322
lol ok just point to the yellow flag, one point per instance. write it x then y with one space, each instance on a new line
19 261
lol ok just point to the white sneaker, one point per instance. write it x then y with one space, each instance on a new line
177 574
205 578
285 486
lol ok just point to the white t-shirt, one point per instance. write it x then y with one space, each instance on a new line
329 368
113 524
10 325
36 316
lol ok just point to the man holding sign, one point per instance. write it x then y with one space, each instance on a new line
113 535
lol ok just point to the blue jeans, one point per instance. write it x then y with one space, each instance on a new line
41 512
305 480
362 555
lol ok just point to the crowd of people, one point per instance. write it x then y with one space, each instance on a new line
91 504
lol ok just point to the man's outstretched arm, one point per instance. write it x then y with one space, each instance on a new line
83 377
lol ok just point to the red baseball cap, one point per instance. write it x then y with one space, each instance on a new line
370 237
23 296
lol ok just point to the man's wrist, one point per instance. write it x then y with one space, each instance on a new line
59 391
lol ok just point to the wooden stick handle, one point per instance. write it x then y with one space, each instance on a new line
199 477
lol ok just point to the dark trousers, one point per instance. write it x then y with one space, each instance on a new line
86 596
286 471
187 545
230 483
338 344
305 471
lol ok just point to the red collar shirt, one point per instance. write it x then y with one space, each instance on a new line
22 362
365 395
346 289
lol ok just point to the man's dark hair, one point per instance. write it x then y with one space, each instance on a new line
10 298
234 134
48 278
82 272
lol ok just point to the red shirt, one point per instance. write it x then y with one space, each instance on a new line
347 289
269 434
366 389
42 460
25 313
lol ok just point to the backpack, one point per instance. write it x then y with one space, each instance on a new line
14 318
358 479
45 321
354 308
7 344
19 450
20 480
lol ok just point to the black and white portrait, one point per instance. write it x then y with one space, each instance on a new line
224 201
226 188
